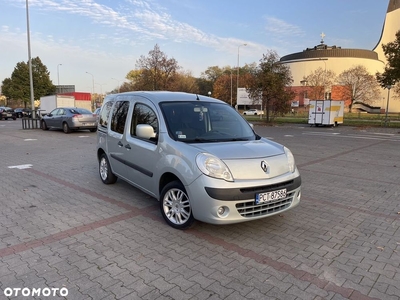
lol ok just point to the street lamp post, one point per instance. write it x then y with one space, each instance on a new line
387 104
58 74
304 84
324 61
30 62
92 98
231 87
92 82
237 79
117 83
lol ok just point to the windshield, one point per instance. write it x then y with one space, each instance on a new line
195 122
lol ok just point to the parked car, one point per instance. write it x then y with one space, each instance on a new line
22 112
97 111
253 112
215 170
69 118
7 113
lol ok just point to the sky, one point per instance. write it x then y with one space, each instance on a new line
95 43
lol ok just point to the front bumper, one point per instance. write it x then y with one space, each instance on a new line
218 202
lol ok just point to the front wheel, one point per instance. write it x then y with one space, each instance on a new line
44 125
175 206
106 175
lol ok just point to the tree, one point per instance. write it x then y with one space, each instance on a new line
18 86
183 81
358 85
225 87
270 84
156 70
391 74
319 82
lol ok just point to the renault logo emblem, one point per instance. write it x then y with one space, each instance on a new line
265 166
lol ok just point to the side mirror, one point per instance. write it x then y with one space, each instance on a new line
49 115
145 131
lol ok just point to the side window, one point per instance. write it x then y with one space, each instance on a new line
119 114
143 114
105 114
54 112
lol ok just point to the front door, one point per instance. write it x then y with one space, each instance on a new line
143 154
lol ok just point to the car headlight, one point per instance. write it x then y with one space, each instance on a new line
290 158
212 166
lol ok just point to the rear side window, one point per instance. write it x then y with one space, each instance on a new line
80 111
119 114
143 114
105 114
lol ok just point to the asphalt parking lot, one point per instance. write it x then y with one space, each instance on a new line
66 235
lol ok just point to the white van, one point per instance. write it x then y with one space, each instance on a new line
198 156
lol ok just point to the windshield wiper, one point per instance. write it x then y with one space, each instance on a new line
203 140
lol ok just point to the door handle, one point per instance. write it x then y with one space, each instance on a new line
120 144
127 146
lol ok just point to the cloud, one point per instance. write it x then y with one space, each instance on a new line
146 19
280 28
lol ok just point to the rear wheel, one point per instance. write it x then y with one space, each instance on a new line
106 175
175 206
66 128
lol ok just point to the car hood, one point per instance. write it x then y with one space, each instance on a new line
244 159
242 149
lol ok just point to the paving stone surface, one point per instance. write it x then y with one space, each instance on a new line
62 228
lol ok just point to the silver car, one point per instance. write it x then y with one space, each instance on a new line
70 118
215 170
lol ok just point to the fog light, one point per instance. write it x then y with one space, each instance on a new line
221 210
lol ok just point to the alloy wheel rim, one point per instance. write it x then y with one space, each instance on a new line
177 206
103 169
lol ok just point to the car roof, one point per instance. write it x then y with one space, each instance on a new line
72 108
165 96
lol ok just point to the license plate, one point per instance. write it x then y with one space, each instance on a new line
270 196
88 124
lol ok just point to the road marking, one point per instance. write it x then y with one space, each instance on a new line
21 167
83 136
30 139
357 136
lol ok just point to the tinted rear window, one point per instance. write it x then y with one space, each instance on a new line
80 111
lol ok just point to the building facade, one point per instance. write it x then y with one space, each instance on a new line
336 59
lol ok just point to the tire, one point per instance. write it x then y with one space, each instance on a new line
66 128
93 129
175 206
43 125
106 175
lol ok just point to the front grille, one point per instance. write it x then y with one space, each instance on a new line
268 188
250 209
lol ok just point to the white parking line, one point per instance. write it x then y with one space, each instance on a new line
21 167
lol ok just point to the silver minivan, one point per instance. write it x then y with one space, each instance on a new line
195 154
